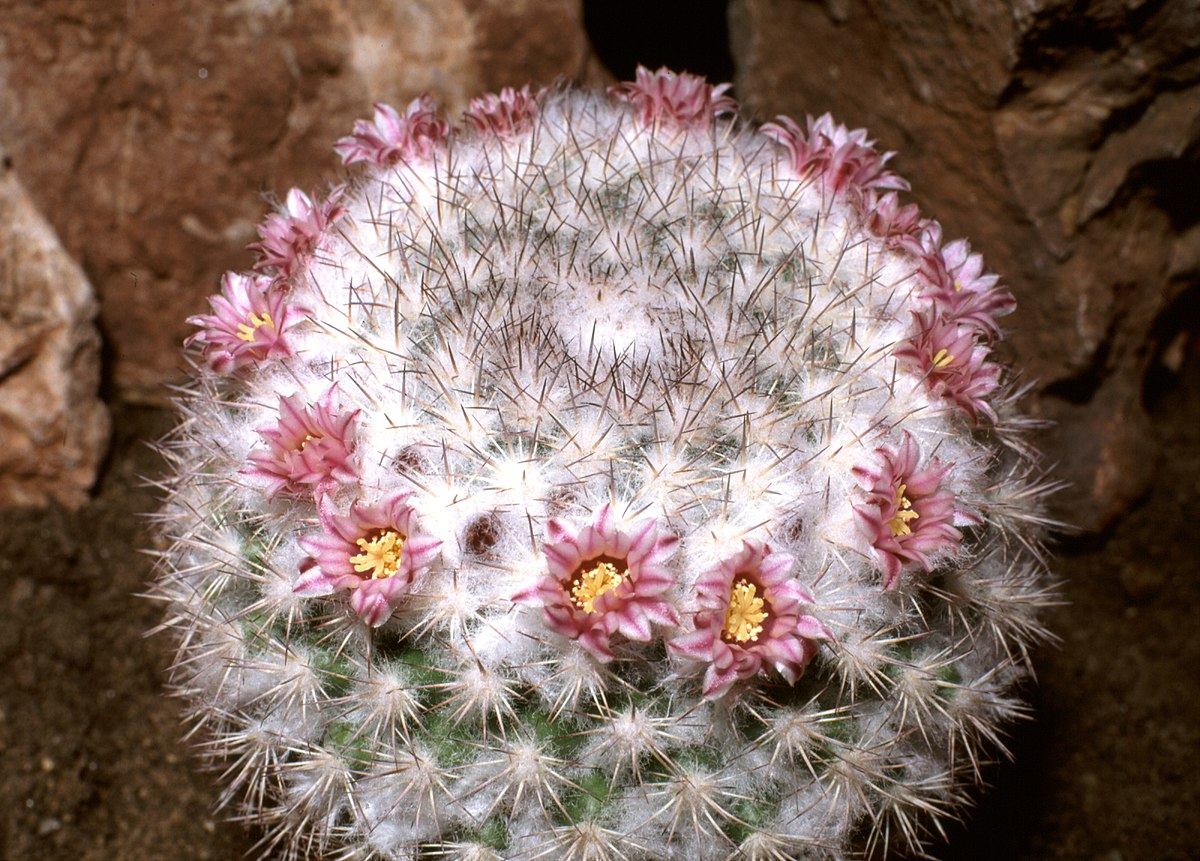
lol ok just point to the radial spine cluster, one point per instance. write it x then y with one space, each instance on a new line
601 476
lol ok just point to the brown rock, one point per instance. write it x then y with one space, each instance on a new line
53 426
149 132
1060 140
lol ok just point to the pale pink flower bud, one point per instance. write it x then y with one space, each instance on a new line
845 161
506 114
680 100
962 290
393 138
291 236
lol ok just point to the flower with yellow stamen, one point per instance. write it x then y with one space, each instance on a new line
907 510
750 618
604 581
375 553
250 323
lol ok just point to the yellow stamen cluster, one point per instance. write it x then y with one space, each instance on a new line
591 583
904 513
246 330
942 358
745 615
380 555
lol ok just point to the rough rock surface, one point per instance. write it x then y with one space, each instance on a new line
53 426
147 132
1061 138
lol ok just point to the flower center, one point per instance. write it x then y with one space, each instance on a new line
380 555
942 358
745 615
308 437
247 331
590 583
904 513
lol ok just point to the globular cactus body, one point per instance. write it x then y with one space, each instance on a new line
606 478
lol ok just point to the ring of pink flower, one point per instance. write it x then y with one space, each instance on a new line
782 636
908 514
292 235
681 100
249 323
310 446
627 603
953 363
355 553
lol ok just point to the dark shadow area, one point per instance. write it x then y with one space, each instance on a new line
1105 768
683 35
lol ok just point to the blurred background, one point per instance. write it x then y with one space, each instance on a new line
142 141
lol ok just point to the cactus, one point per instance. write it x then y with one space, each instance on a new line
603 477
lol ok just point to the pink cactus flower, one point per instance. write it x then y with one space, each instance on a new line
604 581
375 553
907 514
681 100
750 618
507 114
959 286
249 323
311 446
953 362
887 219
845 161
392 138
290 236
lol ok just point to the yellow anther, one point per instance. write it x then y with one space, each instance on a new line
745 615
942 358
904 513
380 555
590 583
246 331
309 438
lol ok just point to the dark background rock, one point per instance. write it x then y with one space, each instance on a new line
1060 138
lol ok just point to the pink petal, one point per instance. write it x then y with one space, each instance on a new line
632 623
812 629
559 532
371 606
314 583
